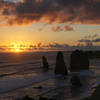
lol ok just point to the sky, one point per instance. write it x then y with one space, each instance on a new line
38 25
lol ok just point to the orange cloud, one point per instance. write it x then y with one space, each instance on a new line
62 28
51 11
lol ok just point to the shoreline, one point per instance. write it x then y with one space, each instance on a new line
95 95
59 85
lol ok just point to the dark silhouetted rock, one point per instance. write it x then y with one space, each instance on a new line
39 87
75 81
25 98
45 63
60 67
52 99
28 98
43 98
79 60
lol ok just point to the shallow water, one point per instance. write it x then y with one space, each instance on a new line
21 72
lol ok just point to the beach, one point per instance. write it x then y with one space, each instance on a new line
22 77
95 95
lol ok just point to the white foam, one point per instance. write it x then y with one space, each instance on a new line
83 73
12 83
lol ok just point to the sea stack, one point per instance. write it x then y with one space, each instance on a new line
60 67
79 61
75 81
45 63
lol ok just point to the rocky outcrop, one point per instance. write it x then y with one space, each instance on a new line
75 81
44 62
60 67
25 98
79 60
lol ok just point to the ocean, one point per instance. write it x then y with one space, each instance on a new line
21 73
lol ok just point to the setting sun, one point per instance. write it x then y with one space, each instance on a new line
17 50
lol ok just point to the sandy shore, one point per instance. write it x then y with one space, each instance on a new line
95 95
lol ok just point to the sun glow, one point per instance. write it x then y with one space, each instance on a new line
17 50
18 46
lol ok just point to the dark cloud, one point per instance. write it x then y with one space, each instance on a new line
63 47
90 40
51 11
96 40
84 40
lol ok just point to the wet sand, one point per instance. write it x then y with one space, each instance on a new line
55 87
95 95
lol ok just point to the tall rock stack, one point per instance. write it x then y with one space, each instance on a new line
79 60
45 63
60 67
85 61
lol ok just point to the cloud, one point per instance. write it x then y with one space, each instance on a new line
91 36
96 40
62 47
51 11
89 40
84 40
50 47
62 28
56 29
68 28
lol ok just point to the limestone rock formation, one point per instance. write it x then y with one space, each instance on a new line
79 60
75 81
60 67
45 62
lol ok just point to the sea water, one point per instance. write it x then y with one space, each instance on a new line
22 71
